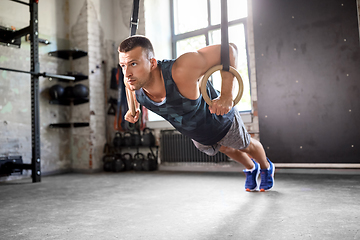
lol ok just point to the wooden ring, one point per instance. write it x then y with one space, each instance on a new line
210 72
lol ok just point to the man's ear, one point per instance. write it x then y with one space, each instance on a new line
153 63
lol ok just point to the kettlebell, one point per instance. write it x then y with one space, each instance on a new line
118 164
150 164
117 141
148 139
108 162
128 139
136 138
127 159
137 161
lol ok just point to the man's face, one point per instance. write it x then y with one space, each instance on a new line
136 68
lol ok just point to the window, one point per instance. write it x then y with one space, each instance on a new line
196 24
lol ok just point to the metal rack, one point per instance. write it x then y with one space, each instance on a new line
10 37
13 164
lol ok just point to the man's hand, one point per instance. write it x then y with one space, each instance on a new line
132 119
221 105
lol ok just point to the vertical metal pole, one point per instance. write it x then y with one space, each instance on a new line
172 16
35 129
225 58
207 37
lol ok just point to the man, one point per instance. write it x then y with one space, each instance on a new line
170 88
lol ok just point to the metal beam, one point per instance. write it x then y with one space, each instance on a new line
35 118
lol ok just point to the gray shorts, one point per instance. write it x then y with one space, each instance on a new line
237 137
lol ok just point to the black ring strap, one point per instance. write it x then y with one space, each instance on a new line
225 58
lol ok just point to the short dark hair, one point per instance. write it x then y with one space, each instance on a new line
137 41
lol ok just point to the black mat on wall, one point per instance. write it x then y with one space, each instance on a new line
308 80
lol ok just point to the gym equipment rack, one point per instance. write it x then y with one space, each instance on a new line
8 37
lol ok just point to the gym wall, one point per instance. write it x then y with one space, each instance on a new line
307 67
94 26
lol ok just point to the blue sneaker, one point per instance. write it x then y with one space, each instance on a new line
267 177
251 183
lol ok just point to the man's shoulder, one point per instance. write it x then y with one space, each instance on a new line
184 63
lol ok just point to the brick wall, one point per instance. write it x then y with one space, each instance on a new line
93 26
88 33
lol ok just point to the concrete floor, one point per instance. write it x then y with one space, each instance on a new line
179 205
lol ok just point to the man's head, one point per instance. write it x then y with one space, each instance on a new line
137 41
136 57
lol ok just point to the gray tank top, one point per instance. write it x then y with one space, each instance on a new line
190 117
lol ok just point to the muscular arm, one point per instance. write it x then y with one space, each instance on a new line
189 67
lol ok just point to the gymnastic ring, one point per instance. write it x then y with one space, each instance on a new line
210 72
